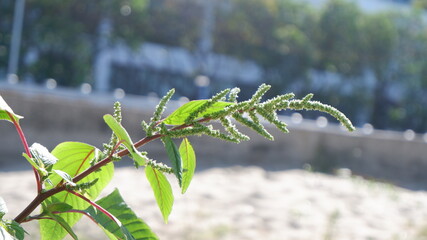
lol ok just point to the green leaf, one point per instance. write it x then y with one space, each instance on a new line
4 234
41 154
174 156
123 135
11 230
43 172
188 163
5 109
64 224
65 177
74 158
179 116
17 230
3 208
58 207
129 225
162 191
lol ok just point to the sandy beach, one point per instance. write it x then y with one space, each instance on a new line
252 203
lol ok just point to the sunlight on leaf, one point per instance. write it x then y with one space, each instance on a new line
130 226
65 177
162 191
188 163
74 158
5 109
43 155
58 207
123 135
64 224
42 171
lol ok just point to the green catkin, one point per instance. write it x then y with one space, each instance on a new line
117 112
109 147
282 106
222 136
254 117
117 115
241 106
144 125
256 98
82 186
115 158
190 131
231 128
233 94
163 129
274 103
318 106
273 119
218 97
98 156
307 98
208 130
256 127
159 166
160 108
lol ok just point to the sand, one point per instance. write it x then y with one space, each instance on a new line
252 203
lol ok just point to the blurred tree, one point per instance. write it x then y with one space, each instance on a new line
287 38
339 38
6 18
410 69
173 22
64 35
380 40
420 4
274 33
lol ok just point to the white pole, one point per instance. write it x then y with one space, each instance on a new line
18 19
103 58
208 22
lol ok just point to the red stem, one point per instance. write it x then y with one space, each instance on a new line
26 147
84 213
36 202
108 214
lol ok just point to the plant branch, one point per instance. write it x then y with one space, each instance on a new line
36 202
79 211
94 204
44 195
125 152
36 218
27 149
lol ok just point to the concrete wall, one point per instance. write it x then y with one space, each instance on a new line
52 117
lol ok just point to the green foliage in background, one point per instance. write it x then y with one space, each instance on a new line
373 53
70 178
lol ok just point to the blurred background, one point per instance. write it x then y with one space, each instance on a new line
365 57
63 64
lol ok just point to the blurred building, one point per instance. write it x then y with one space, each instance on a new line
156 68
